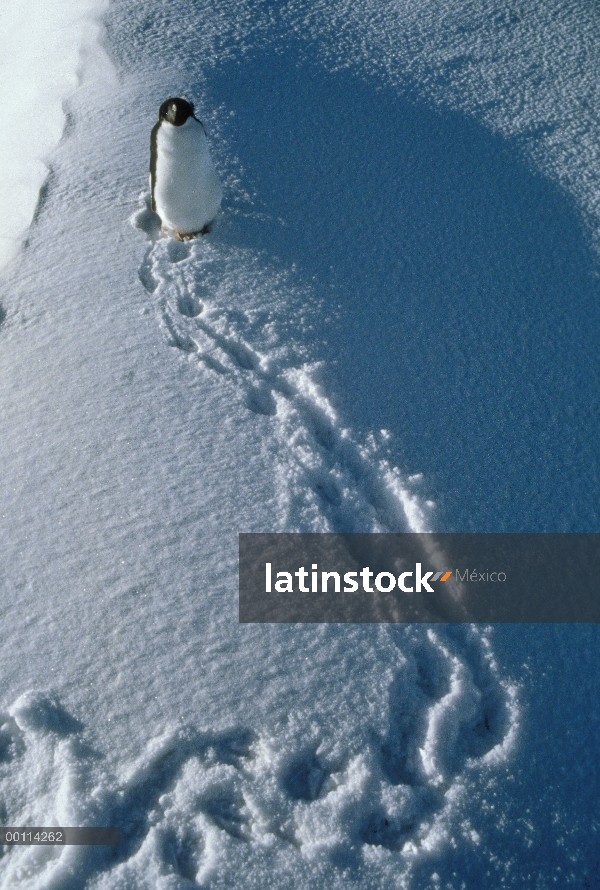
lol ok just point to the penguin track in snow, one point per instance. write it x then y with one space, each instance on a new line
330 481
193 801
448 711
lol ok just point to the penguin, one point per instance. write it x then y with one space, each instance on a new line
185 189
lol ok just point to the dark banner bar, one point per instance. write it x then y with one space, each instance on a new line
510 578
59 836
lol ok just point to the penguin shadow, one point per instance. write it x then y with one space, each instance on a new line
462 296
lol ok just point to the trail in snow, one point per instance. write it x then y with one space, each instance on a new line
329 481
304 793
202 807
293 790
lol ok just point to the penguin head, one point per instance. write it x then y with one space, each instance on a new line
175 111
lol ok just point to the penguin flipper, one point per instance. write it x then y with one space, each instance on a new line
153 152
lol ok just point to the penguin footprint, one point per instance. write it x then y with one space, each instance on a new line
178 250
146 220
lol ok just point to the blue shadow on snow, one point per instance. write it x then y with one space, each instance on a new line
465 298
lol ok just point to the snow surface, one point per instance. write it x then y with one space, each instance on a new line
42 48
398 302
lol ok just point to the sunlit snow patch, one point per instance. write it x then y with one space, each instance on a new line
44 50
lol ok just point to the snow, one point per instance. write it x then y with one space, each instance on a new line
391 327
43 46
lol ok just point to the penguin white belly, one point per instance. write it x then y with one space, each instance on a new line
187 191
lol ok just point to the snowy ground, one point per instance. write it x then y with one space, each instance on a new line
393 326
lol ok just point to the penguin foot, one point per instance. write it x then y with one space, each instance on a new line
188 236
185 236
